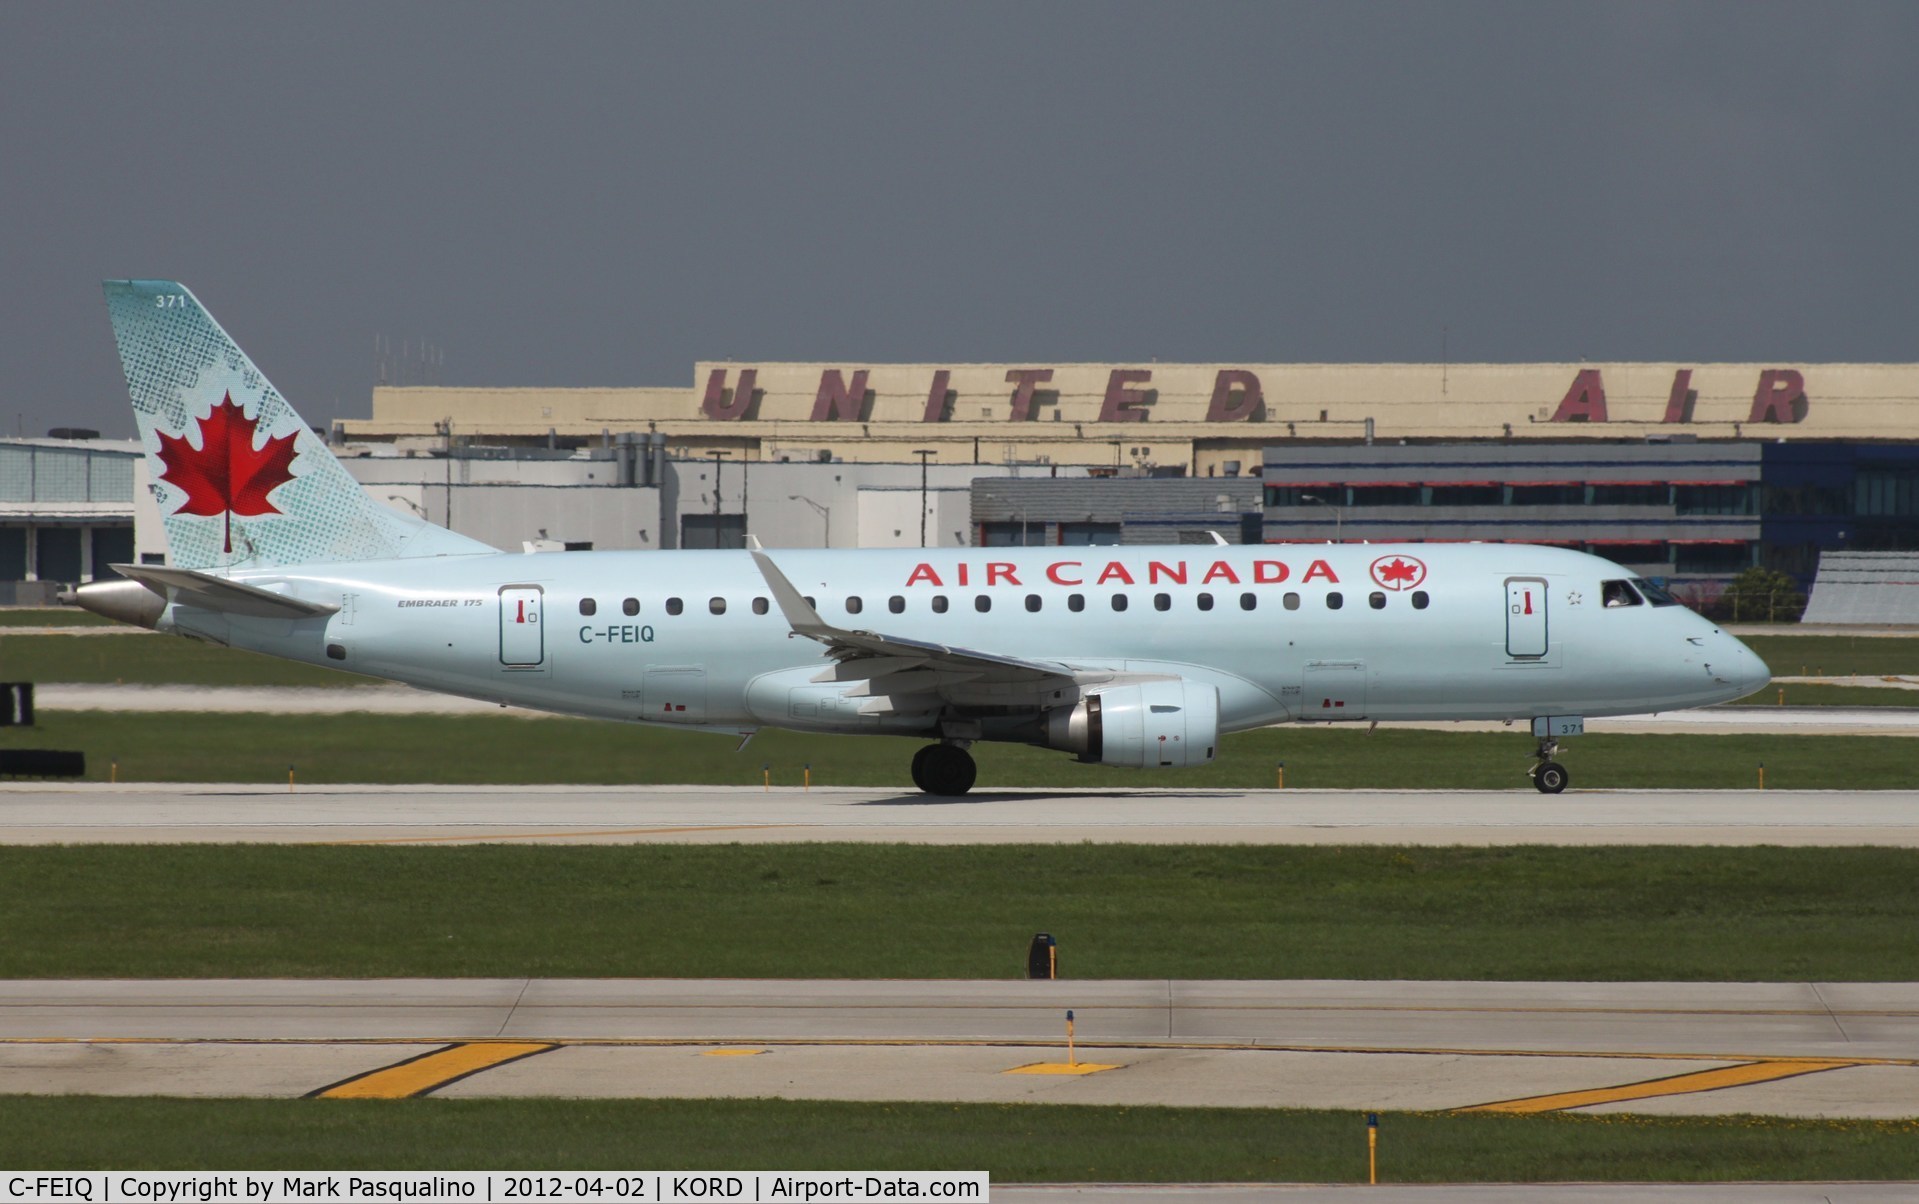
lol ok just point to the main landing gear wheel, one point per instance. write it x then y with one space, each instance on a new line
1550 777
944 769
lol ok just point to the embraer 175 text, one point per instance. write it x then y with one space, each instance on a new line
1137 656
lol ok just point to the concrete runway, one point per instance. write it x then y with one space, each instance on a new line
39 813
1798 1049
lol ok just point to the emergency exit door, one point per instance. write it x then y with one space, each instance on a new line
522 633
1525 617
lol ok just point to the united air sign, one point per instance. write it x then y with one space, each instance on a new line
1292 394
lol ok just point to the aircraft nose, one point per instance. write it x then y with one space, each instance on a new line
1743 667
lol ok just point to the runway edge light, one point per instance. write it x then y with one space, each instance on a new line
1372 1148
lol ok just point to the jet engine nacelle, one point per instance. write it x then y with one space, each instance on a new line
1154 725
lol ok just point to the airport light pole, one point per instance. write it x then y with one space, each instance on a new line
922 453
826 516
1339 516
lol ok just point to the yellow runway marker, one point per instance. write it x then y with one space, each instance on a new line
1679 1084
730 1053
431 1071
1063 1068
483 837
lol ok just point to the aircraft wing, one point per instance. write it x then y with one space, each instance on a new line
898 675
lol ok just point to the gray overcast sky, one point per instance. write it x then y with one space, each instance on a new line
585 194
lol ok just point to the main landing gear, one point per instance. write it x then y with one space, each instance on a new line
944 769
1549 776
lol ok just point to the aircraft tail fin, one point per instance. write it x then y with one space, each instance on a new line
242 480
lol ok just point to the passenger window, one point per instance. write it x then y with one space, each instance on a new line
982 603
1335 600
588 606
759 606
939 604
1032 603
1249 601
1162 601
1204 601
674 606
1420 599
1119 601
1075 602
1376 600
716 605
1292 601
631 606
854 605
1614 594
896 604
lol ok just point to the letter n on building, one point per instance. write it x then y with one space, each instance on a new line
839 400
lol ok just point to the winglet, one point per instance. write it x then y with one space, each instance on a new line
802 618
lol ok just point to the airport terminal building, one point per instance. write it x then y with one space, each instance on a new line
1688 471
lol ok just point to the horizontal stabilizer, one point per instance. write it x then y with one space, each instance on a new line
190 588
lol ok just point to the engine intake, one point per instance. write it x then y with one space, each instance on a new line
1154 725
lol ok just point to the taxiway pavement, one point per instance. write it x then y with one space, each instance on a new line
1808 1049
39 813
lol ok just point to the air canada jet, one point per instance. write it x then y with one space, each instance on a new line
1136 656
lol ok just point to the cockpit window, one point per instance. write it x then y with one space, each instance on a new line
1655 593
1614 594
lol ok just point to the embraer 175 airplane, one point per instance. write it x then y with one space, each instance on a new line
1139 656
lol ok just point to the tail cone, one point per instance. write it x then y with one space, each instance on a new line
122 601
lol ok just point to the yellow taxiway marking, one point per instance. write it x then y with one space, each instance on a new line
1063 1068
730 1053
979 1043
431 1071
1679 1084
483 837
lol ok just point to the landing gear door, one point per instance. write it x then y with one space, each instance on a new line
1526 636
522 627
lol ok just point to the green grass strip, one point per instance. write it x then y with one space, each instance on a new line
1836 655
1015 1142
482 749
911 911
146 658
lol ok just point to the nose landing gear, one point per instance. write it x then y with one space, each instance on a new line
944 769
1549 776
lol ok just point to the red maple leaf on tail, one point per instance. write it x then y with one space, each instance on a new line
226 474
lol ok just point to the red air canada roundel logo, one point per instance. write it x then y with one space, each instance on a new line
1399 572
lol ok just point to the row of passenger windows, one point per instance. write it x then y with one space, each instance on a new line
983 603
